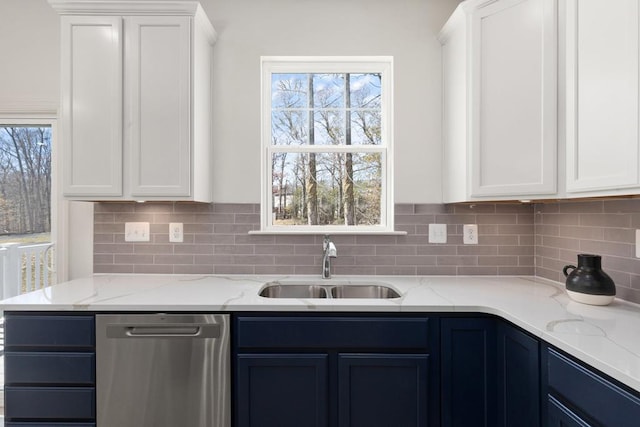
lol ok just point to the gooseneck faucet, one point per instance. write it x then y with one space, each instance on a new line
329 251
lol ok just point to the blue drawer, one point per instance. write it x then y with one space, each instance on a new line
49 403
342 332
36 424
593 395
49 368
49 331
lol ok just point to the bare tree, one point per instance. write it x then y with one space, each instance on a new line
25 179
328 187
347 183
312 183
287 130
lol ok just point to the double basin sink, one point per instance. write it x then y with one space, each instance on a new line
332 290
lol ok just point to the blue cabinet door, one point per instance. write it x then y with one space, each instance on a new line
518 378
383 390
468 374
588 393
281 390
560 416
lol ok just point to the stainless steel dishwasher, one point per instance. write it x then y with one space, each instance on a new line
163 370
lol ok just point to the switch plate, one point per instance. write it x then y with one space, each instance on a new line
637 243
136 231
470 234
437 233
176 232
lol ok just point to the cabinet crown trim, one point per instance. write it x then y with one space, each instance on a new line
122 7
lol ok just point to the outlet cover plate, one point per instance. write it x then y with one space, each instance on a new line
470 234
176 234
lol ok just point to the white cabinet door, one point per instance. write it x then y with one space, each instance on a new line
602 95
91 96
455 122
500 100
158 125
514 98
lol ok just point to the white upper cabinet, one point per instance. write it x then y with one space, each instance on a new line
92 105
500 100
157 76
602 108
136 100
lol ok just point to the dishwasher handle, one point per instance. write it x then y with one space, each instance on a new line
181 330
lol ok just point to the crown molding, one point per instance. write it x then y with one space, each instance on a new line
121 7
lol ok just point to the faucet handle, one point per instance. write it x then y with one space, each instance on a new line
326 241
329 247
332 251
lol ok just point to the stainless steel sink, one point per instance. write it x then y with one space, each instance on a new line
364 291
336 290
293 291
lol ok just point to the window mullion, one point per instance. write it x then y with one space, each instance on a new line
327 149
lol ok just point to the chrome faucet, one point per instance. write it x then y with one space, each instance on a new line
329 251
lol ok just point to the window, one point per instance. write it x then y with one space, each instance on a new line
326 142
25 182
25 207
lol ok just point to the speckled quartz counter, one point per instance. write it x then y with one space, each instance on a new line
607 338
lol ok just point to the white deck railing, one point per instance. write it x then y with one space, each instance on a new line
24 268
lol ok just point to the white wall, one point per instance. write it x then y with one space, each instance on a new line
405 29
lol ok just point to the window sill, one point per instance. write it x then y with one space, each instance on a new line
329 232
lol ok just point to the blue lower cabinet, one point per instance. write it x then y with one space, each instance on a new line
282 390
561 416
49 370
518 378
468 372
592 397
383 390
36 424
335 371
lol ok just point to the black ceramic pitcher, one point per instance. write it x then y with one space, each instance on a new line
588 279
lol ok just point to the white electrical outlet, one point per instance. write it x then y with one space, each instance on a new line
136 231
470 234
176 232
637 243
437 233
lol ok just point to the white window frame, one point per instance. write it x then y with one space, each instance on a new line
58 206
326 64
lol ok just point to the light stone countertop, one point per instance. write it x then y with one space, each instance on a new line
605 337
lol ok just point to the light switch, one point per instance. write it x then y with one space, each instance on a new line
136 231
437 233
